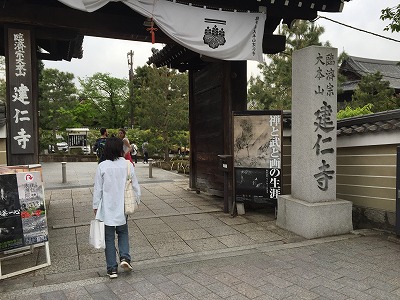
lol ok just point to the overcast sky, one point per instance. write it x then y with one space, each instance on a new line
110 56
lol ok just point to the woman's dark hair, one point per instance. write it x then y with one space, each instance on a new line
122 130
113 148
103 130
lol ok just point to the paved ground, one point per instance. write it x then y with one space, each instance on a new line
185 247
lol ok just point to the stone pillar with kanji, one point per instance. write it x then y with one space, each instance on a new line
312 210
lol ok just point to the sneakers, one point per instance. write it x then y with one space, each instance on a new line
126 264
112 274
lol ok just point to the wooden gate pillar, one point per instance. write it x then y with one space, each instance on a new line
214 92
21 97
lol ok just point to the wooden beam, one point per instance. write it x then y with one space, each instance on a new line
101 23
48 56
273 43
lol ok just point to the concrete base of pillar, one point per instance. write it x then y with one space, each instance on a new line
314 220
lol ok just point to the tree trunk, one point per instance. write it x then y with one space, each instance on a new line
166 154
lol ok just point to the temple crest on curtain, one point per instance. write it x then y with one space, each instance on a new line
226 35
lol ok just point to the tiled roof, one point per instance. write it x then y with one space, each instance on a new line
349 85
390 70
377 122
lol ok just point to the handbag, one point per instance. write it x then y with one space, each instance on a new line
96 236
130 202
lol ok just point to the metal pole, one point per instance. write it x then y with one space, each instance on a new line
131 100
150 168
226 191
64 171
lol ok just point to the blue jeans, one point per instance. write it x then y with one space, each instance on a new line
123 245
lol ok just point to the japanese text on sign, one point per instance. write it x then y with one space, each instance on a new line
275 160
21 108
324 125
19 47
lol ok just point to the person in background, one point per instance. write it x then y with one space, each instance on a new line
108 204
145 152
134 152
127 145
98 147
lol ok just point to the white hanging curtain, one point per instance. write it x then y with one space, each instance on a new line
214 33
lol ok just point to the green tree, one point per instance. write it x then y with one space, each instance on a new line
2 79
372 89
2 90
392 14
85 114
107 99
57 97
340 77
164 102
273 90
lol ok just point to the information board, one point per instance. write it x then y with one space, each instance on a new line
23 219
257 155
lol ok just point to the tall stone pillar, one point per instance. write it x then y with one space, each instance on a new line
312 209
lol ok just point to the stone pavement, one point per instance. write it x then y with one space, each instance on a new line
184 247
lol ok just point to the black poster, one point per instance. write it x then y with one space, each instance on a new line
23 219
11 235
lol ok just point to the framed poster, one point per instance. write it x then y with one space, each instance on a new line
257 155
23 219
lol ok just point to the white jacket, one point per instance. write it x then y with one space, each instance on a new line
108 193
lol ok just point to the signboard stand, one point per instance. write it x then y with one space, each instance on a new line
23 221
14 253
257 157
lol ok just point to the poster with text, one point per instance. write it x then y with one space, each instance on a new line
257 155
11 235
23 219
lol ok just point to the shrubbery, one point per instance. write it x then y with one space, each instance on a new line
349 112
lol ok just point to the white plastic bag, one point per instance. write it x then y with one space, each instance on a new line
96 237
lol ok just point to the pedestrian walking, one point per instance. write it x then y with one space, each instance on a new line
108 204
134 152
98 146
145 152
127 145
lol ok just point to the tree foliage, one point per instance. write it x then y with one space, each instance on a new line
105 99
273 90
2 90
57 97
372 89
163 99
349 112
392 14
160 102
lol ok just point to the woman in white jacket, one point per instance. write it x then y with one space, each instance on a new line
108 203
